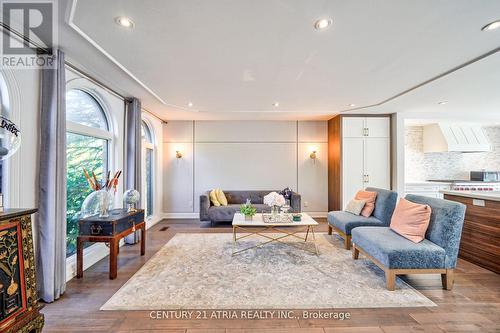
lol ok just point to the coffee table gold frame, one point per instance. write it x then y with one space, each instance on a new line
309 229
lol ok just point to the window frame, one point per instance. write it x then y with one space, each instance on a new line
78 128
151 146
113 105
5 110
94 132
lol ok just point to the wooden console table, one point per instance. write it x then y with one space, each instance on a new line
112 229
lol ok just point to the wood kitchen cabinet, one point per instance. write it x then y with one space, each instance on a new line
358 156
480 243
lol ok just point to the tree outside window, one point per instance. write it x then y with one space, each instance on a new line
88 139
148 154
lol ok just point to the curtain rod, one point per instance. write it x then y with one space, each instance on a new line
19 35
102 85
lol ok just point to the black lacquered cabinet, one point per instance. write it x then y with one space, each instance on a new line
19 307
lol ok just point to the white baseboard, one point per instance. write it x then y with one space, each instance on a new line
318 214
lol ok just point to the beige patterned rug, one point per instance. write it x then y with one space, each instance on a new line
197 271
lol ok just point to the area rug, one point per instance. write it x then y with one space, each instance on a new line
197 271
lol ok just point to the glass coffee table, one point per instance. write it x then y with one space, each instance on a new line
274 231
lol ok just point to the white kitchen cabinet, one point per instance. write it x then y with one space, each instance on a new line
362 127
365 155
353 127
378 127
377 162
353 166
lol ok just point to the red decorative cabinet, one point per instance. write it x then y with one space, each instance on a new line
19 308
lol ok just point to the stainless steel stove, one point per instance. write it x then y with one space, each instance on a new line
470 185
475 186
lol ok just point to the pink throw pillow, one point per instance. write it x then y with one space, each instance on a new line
369 198
411 220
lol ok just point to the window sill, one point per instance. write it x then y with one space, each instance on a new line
91 255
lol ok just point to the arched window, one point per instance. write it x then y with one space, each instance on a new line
148 166
82 108
88 140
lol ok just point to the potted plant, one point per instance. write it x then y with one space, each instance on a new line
248 210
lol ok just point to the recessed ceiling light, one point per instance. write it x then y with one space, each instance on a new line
352 105
322 24
276 104
124 21
443 102
491 26
190 104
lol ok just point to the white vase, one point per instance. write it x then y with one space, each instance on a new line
275 210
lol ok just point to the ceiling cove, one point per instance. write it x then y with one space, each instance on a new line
251 75
106 54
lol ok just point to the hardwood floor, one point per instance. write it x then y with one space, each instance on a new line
472 306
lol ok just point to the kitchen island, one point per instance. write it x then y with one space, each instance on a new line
480 243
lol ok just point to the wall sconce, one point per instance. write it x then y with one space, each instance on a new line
312 156
178 154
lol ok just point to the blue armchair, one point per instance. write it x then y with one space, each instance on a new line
436 254
344 222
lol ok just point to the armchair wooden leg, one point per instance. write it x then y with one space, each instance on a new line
390 279
355 252
447 279
330 229
347 242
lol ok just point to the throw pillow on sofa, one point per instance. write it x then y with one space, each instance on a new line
411 220
355 206
221 197
369 197
213 198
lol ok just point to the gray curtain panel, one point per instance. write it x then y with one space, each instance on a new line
51 240
133 151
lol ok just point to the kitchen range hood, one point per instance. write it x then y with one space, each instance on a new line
447 137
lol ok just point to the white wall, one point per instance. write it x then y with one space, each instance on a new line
178 176
313 175
243 155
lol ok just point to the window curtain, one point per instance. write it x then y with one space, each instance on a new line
133 149
51 240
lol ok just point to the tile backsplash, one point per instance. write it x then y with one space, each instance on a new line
449 165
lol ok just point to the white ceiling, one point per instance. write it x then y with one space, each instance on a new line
234 58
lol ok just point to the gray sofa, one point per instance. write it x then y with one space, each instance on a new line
212 214
436 254
343 223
